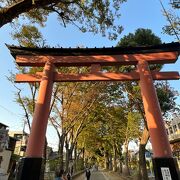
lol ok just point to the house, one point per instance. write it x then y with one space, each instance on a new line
21 142
7 146
173 132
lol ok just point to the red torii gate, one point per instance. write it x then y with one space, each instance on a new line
96 58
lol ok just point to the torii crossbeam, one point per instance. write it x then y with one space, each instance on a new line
97 58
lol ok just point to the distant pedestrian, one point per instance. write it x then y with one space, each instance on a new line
88 174
68 176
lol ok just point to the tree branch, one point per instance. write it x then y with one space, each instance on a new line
24 107
7 14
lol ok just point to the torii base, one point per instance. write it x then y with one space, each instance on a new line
30 169
166 168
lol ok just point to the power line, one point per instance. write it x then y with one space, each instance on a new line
9 111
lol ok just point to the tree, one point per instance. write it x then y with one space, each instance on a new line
109 127
71 114
104 136
93 16
141 37
29 36
133 130
167 96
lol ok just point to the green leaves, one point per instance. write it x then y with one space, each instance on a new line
38 16
96 16
133 125
141 37
29 36
167 96
173 28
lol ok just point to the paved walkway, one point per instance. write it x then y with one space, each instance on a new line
100 175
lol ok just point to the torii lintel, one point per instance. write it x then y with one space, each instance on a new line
159 54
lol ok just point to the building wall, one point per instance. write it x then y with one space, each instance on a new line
173 131
6 156
21 142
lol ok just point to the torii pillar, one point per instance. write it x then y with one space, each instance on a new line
30 167
165 166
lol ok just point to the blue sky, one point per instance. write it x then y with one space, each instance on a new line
135 14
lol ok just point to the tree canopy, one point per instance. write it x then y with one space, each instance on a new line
93 16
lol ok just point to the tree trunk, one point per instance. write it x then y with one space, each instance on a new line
83 156
68 158
110 162
143 175
61 163
106 162
120 166
8 14
60 152
115 158
126 165
75 159
119 153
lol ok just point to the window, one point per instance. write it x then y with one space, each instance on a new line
167 132
18 136
23 148
171 130
179 126
175 128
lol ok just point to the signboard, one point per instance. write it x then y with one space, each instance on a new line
166 175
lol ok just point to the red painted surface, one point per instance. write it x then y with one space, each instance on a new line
105 60
97 76
158 135
35 147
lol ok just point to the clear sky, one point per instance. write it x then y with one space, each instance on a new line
135 14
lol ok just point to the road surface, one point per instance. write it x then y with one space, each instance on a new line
100 175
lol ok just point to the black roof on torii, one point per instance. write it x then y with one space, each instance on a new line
18 50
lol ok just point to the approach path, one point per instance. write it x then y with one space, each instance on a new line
100 175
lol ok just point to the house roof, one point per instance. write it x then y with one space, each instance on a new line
1 124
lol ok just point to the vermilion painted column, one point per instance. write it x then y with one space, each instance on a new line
157 131
162 156
35 147
31 165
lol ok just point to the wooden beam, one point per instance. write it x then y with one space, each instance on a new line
172 75
29 78
103 60
99 76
